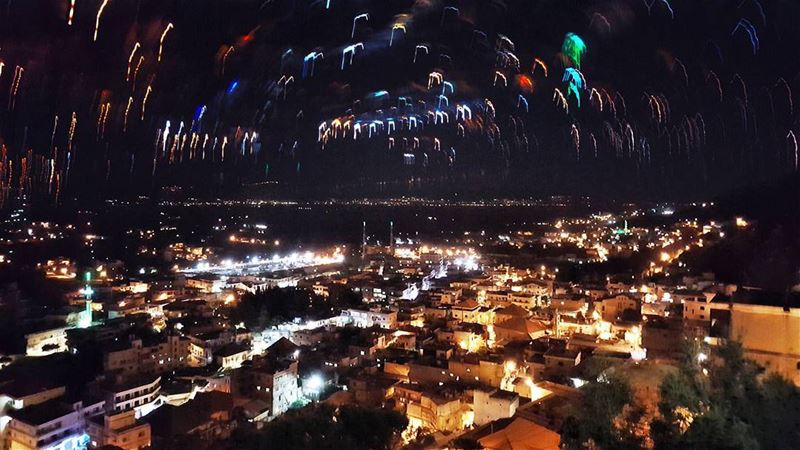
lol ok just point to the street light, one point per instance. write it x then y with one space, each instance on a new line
314 385
315 382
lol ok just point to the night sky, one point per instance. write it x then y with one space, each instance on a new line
668 99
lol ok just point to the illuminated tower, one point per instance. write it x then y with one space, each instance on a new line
85 320
391 237
364 239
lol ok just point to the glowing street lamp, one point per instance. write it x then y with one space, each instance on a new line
314 385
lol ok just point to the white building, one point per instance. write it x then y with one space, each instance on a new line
206 284
142 395
45 342
611 308
274 382
136 358
384 318
22 393
232 355
493 404
119 429
50 425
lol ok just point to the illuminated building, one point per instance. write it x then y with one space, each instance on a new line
141 394
45 342
560 360
59 269
519 329
468 337
510 312
466 311
118 429
20 394
493 404
434 410
47 426
232 356
611 308
696 305
271 380
522 433
489 370
203 346
208 284
384 318
766 324
136 358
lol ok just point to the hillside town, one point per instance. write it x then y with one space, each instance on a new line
472 337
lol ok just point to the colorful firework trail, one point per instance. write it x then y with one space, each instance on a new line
652 95
573 49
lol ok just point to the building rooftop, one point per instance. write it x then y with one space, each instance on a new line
231 349
504 395
24 386
469 304
283 348
521 433
115 385
169 421
513 310
762 298
522 325
558 351
42 413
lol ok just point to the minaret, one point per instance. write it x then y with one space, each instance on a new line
391 237
364 239
85 320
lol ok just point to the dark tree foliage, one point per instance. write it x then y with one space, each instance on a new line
724 403
323 427
603 402
271 306
713 407
636 263
594 366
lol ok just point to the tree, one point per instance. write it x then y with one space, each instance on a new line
631 428
344 297
718 403
276 305
594 366
322 427
603 402
695 406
